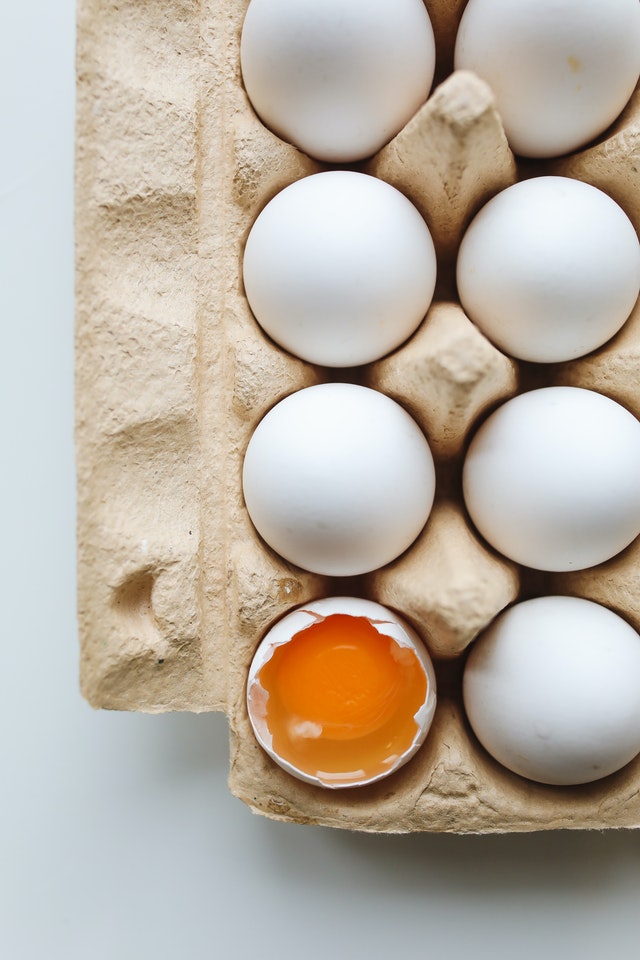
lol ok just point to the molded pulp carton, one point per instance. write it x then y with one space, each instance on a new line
173 374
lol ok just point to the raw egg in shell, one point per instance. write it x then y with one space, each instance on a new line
341 692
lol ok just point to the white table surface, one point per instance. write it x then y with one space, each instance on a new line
118 837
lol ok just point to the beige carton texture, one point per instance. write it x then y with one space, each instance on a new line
173 374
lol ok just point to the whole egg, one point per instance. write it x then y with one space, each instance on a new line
338 479
551 478
549 269
339 268
337 78
561 70
551 690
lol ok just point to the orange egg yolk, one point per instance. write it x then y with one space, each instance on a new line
342 699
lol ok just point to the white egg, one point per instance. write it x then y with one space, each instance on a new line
346 712
551 690
549 269
337 78
339 268
552 478
561 70
338 479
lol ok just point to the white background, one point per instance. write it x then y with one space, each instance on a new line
118 837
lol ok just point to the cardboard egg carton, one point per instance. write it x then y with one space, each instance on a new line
173 375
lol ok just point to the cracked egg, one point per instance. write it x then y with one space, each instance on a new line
341 692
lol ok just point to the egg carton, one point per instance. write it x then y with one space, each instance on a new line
173 374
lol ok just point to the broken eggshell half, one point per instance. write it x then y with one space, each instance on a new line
341 692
